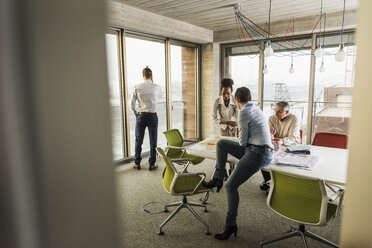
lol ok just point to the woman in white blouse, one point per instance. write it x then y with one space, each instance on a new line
225 112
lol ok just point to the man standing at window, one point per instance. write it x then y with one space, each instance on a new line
147 94
285 126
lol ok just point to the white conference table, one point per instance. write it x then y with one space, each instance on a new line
332 167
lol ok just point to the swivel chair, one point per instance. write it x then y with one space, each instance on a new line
302 200
181 183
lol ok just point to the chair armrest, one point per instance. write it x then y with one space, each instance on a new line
178 148
184 161
332 187
337 194
192 175
177 160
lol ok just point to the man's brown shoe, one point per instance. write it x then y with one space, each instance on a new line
153 167
136 166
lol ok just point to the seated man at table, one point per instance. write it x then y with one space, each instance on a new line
285 126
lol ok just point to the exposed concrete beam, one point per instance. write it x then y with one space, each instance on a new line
124 16
303 25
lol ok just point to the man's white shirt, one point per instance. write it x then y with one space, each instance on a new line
147 94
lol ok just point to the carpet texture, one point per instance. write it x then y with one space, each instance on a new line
256 222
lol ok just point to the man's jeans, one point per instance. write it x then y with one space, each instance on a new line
251 160
151 122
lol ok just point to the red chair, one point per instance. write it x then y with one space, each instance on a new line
330 140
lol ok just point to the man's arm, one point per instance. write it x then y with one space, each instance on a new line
243 128
133 102
271 125
293 137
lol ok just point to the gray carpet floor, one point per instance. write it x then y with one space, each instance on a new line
256 222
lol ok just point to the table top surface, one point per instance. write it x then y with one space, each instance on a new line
332 166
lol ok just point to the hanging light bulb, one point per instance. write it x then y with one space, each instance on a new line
318 52
340 55
322 67
291 69
268 49
265 70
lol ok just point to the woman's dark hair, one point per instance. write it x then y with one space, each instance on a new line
147 72
243 94
227 83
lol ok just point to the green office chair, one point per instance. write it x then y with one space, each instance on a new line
303 200
175 149
184 184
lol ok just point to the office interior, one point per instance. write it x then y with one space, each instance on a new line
67 134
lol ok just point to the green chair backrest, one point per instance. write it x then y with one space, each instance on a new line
168 173
174 138
296 198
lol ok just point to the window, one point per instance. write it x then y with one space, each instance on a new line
281 85
333 87
243 67
183 85
114 79
139 54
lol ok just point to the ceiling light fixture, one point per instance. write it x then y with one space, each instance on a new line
340 55
268 49
319 51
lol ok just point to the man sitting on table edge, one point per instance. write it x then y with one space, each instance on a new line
253 151
285 126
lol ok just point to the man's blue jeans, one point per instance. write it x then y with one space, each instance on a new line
252 159
151 122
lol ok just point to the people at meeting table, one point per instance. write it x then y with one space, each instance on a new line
225 112
147 94
285 126
253 151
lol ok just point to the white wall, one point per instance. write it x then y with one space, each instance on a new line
356 227
57 185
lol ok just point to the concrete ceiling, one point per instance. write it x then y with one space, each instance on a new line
218 15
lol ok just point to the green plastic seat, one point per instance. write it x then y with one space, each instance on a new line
303 200
182 183
175 142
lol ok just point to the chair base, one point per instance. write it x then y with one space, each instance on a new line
204 199
299 232
184 204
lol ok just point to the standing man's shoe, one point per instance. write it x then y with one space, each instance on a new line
153 167
136 166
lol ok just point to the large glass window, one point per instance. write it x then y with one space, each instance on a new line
333 87
243 68
139 54
281 85
112 53
183 85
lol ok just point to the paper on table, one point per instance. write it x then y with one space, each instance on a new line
211 143
302 161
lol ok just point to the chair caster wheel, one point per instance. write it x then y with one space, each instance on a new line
206 211
207 233
160 233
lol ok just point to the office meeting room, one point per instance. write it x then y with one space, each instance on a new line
185 123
